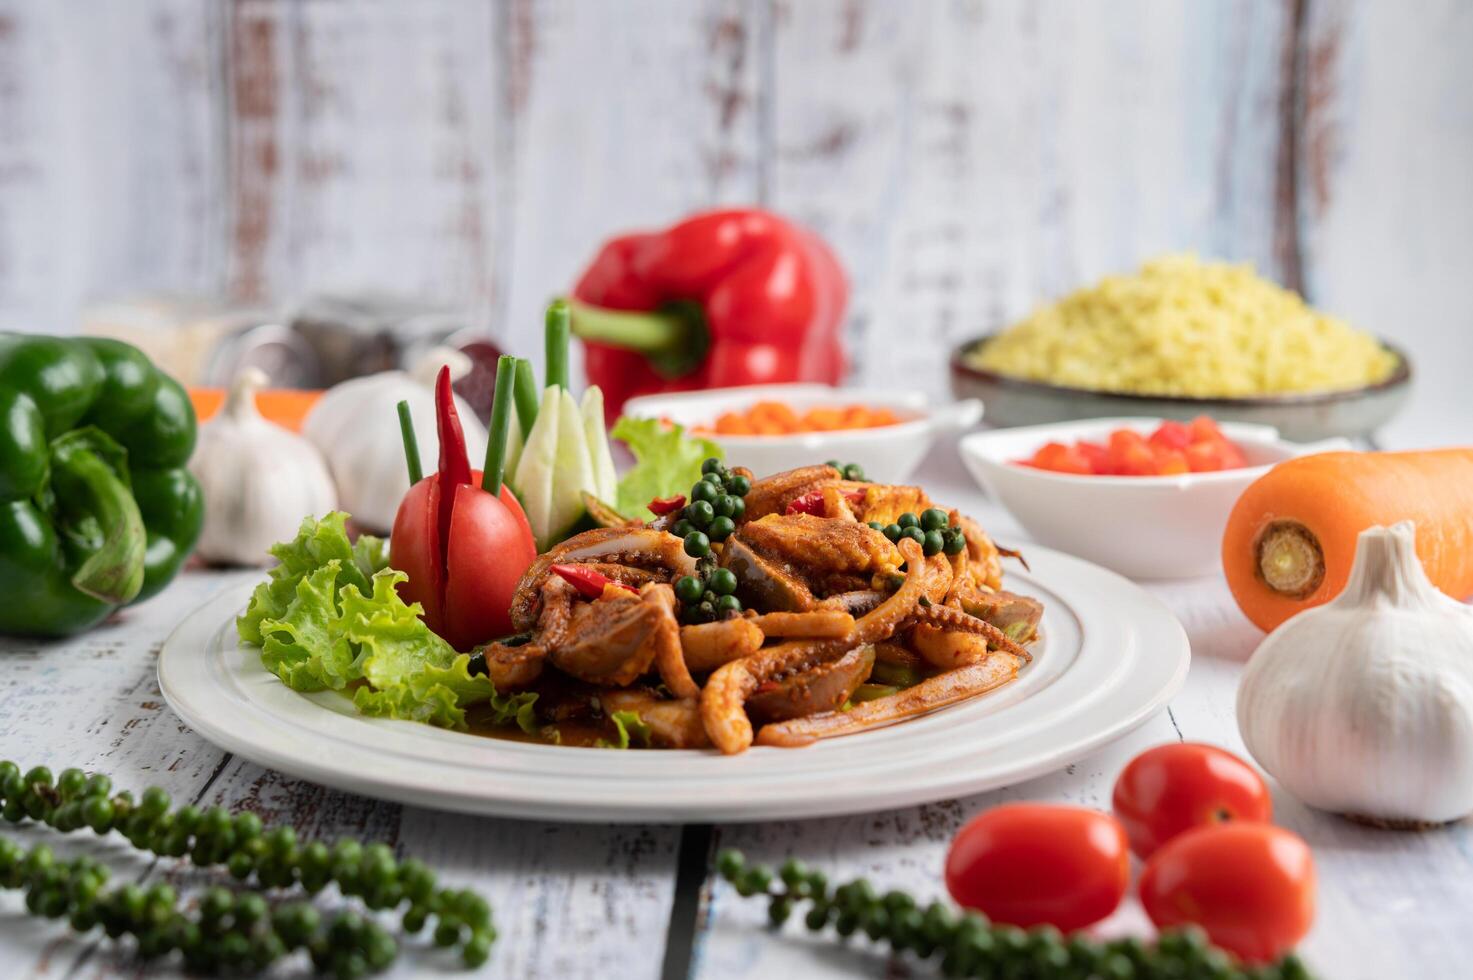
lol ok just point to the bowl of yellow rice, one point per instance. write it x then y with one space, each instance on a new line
1183 337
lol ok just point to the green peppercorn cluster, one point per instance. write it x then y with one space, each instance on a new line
933 531
236 932
971 946
708 595
849 471
714 505
714 508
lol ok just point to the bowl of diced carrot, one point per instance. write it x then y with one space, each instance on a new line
1147 497
770 428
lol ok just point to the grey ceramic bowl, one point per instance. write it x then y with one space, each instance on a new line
1300 418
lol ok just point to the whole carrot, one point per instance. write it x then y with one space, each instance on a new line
1291 537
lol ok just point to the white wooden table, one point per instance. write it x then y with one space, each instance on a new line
640 901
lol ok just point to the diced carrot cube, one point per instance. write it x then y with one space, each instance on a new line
823 419
883 416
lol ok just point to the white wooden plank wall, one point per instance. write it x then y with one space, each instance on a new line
968 158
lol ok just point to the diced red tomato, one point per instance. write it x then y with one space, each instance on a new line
1204 429
1172 449
1171 435
1130 455
1061 459
1203 457
1171 462
1096 455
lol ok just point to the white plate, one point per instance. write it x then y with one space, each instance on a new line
1111 656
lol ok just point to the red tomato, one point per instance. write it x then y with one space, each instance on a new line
1170 462
466 593
1232 456
1130 454
1171 435
1204 429
1096 455
1203 457
1059 458
1032 863
1178 787
1249 885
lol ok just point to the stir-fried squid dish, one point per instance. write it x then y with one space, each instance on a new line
801 606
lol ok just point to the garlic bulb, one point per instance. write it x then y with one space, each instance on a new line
1364 706
259 479
356 427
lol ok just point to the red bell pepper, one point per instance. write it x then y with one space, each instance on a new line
463 548
724 298
589 583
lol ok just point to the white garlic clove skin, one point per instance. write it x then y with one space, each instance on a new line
355 426
1364 706
259 480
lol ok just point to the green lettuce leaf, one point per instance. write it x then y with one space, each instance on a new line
317 542
432 705
394 643
518 708
629 729
371 555
304 646
330 616
440 695
667 462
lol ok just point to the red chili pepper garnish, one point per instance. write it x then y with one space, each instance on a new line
589 583
455 464
463 548
666 505
812 501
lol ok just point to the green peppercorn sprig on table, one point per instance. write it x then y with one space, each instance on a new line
236 932
97 510
971 946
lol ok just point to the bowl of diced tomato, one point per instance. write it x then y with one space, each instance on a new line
1147 497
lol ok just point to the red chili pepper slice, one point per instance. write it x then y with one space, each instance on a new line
455 464
812 501
588 582
666 505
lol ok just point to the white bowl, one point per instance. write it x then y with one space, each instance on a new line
887 453
1145 527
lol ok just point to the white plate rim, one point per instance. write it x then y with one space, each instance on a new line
1113 655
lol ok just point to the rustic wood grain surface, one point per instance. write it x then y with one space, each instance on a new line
587 900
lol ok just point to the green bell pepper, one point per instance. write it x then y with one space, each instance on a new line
96 508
